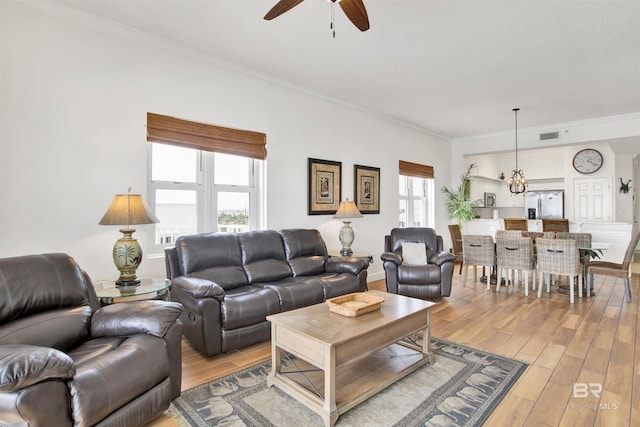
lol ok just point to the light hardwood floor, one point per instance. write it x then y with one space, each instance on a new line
594 342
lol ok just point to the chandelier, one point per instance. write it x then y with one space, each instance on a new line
517 183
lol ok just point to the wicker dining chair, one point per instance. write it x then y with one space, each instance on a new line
555 225
516 224
456 241
536 234
478 250
516 255
613 269
561 258
509 233
584 241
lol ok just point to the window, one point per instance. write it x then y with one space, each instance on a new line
193 191
195 188
416 195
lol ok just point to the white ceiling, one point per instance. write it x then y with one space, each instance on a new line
451 67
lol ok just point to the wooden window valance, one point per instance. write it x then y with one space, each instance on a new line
416 169
202 136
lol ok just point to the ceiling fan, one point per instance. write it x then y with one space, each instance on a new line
354 9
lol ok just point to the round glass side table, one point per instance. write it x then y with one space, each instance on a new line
364 256
149 288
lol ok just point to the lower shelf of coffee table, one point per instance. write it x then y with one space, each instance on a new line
356 380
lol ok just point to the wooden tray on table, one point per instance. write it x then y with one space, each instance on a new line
353 305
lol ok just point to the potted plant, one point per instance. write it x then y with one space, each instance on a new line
459 203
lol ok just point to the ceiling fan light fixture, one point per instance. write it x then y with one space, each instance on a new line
354 9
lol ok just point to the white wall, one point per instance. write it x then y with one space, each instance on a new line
73 109
624 202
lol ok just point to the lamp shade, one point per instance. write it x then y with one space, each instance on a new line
127 209
347 210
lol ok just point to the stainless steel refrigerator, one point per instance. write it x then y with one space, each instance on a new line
544 204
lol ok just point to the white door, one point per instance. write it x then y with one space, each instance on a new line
592 199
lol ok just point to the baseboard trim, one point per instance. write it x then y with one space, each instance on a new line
374 277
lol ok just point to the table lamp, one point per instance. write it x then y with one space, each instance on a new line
128 209
346 211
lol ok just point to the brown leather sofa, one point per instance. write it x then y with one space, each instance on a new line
64 360
429 281
229 283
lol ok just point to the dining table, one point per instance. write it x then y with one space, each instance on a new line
595 251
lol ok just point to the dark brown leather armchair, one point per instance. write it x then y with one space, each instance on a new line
430 279
66 361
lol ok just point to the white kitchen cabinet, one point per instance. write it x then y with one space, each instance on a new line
481 185
542 168
546 184
506 199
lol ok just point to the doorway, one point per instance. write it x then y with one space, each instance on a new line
592 199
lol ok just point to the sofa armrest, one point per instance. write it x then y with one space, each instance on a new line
199 288
25 365
345 265
440 258
137 317
171 262
391 257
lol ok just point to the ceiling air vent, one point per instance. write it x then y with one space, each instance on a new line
550 135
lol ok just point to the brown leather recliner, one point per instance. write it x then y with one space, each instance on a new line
429 279
66 361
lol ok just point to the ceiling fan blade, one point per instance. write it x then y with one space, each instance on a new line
281 7
355 11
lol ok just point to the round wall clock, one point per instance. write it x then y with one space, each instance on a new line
587 160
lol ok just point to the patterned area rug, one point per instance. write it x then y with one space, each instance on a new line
460 388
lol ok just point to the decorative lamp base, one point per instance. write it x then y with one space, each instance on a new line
127 255
347 237
128 283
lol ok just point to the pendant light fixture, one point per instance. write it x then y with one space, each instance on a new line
517 183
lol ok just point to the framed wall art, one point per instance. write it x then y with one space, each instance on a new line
367 189
325 190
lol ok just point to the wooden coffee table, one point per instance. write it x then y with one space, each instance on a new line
341 361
